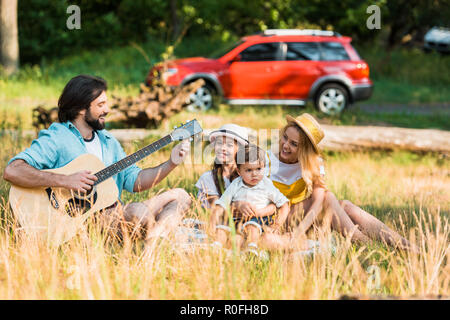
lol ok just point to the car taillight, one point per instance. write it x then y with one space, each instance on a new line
362 70
153 74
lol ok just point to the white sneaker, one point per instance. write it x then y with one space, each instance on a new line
253 251
216 245
303 253
188 235
193 223
264 255
191 247
333 245
314 246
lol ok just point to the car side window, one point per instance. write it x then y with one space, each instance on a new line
333 51
302 51
261 52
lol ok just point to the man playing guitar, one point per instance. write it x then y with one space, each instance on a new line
82 108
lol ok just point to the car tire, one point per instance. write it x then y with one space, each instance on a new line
331 99
202 100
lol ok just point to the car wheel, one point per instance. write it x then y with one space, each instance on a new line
331 99
201 100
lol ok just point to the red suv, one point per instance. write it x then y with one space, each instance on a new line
276 67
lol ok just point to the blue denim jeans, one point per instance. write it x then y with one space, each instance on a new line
259 221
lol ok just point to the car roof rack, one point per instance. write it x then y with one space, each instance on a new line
299 32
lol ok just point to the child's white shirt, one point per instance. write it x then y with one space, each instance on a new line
260 195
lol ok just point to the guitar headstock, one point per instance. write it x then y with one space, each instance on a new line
187 130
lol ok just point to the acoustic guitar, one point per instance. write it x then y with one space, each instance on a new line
57 214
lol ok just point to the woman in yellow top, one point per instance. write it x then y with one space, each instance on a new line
297 171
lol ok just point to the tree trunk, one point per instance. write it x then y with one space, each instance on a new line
348 138
385 138
9 40
175 20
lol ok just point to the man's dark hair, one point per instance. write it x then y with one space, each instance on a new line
78 94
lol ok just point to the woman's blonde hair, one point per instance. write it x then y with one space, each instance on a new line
308 158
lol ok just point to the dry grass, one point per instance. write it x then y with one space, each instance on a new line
408 192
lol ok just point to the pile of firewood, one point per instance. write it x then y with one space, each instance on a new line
147 110
152 105
43 118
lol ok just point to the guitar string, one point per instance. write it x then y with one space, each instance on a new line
115 168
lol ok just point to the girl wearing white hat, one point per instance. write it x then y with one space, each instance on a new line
226 141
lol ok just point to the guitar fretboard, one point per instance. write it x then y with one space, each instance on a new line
115 168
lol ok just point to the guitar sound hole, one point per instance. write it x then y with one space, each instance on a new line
78 205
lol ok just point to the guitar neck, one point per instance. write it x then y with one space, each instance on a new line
117 167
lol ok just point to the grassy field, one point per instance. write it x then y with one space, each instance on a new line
409 192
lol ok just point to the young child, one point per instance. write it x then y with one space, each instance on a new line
254 187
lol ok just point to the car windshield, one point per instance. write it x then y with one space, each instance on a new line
224 49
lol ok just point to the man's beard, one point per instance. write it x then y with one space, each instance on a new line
92 122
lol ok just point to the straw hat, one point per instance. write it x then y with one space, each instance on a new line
310 127
238 133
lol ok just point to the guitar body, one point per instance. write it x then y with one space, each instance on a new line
56 214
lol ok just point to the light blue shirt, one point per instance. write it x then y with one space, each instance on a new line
62 142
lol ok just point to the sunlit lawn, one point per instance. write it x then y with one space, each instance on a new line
407 191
